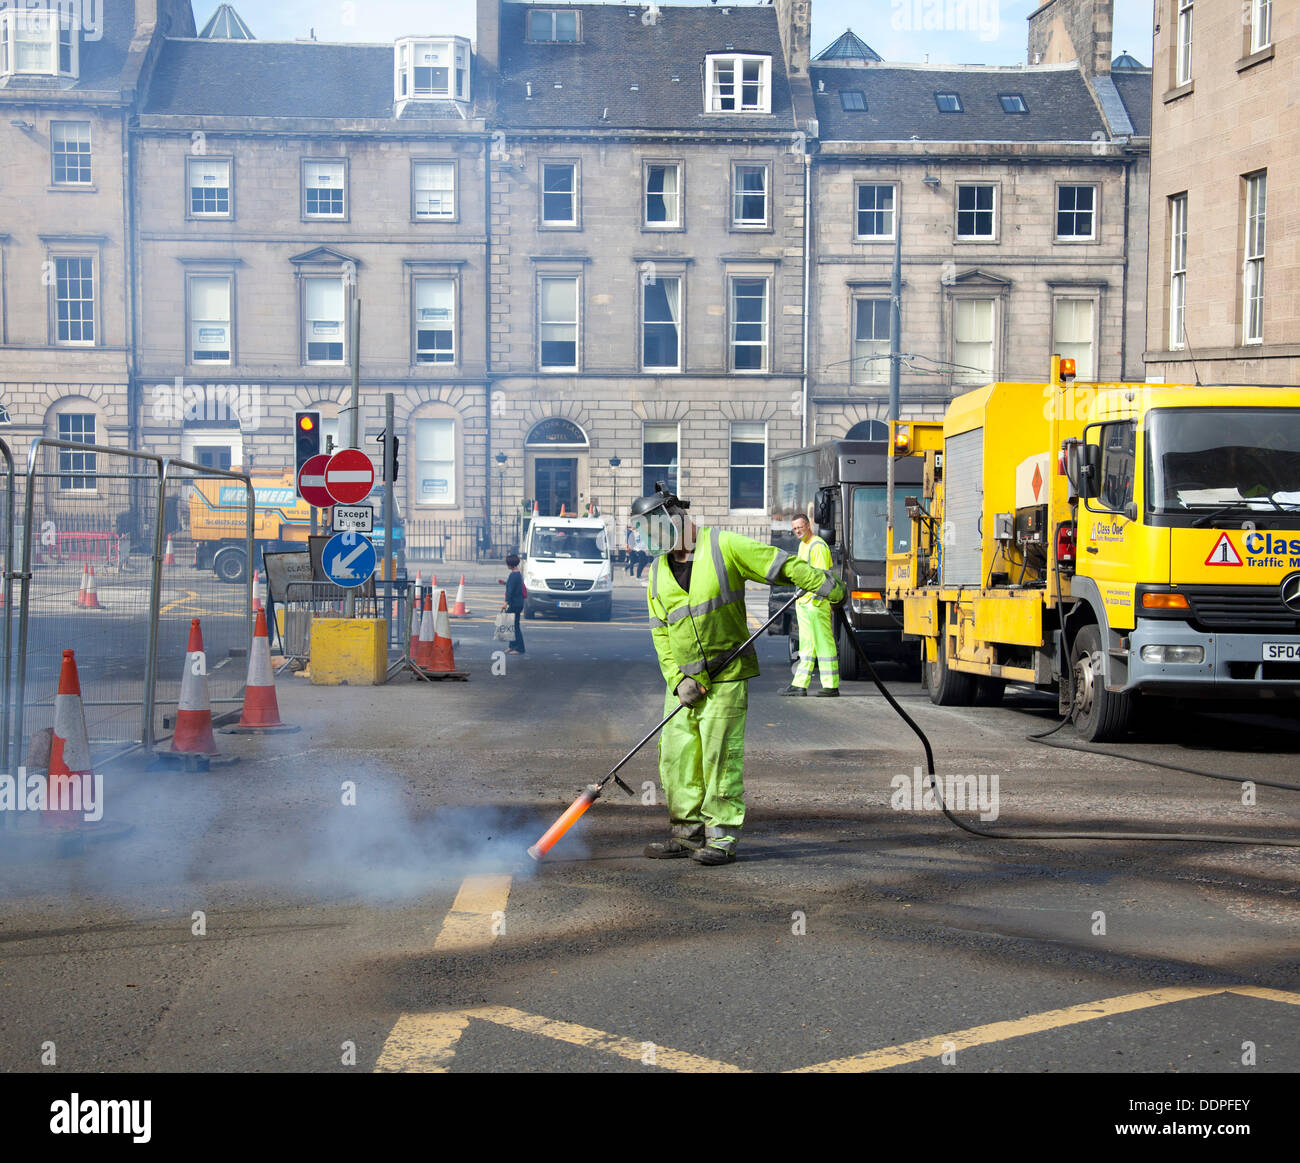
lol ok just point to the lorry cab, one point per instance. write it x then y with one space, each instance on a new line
566 567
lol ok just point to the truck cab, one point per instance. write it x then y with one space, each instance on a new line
566 567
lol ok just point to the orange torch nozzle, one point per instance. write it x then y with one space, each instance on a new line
564 823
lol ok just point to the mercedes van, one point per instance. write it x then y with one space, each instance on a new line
566 567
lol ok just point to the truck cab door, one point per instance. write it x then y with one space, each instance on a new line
1109 532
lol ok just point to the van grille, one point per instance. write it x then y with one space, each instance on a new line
568 584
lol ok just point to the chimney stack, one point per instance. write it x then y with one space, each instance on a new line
1061 31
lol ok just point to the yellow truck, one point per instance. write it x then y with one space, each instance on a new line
1111 542
217 512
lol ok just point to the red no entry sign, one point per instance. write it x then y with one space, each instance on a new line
311 482
349 476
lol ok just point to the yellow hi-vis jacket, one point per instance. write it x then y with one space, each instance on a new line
694 632
816 553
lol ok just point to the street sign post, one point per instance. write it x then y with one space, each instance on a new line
353 518
311 482
348 560
349 476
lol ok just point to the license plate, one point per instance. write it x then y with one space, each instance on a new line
569 605
1282 651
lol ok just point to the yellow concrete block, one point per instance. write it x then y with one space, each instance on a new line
349 651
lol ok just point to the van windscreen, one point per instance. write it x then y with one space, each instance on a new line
572 543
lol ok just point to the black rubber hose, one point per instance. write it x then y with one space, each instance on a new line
989 834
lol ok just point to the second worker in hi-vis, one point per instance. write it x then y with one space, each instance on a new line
697 617
816 622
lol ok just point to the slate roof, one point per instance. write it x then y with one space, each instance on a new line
901 104
265 78
1134 87
849 47
619 50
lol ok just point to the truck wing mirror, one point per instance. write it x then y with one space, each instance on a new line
1089 464
826 533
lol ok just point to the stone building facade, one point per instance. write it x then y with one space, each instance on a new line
1224 289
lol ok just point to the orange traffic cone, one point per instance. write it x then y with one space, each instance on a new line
535 512
261 711
417 615
257 599
193 735
460 610
562 512
90 600
423 655
442 661
70 776
170 558
81 589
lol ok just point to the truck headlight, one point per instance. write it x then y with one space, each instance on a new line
1172 654
868 602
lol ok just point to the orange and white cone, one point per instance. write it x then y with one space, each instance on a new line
90 599
193 734
261 714
423 656
69 754
460 610
81 589
257 595
443 661
417 615
170 557
535 511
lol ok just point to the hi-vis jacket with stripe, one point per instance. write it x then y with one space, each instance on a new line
694 632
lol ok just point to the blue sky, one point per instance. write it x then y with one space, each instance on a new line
978 31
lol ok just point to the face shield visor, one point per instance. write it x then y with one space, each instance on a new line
660 531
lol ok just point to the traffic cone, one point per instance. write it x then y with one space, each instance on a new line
417 615
261 714
81 589
170 558
423 656
257 599
442 661
193 735
535 512
460 610
90 600
562 512
69 751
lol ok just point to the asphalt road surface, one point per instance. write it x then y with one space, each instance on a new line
356 897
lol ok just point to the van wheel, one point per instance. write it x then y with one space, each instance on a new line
529 612
1099 715
229 565
948 688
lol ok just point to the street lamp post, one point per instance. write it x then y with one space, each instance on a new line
614 462
501 459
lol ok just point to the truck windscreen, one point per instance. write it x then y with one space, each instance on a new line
1205 459
868 539
569 543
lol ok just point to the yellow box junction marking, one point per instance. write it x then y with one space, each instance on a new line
427 1042
472 921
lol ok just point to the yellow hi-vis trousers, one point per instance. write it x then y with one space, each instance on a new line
701 766
816 646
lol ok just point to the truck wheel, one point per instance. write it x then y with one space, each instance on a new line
850 666
949 688
792 644
1099 715
229 565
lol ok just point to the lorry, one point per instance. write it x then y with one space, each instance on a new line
566 567
840 486
1113 543
281 521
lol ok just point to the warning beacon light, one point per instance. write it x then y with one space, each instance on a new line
306 438
1067 370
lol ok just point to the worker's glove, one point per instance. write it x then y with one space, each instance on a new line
839 593
689 692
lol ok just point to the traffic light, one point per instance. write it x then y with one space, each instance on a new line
390 449
306 438
392 446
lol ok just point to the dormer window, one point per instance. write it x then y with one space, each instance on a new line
42 42
431 70
736 83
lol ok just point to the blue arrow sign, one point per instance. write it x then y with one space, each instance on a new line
349 559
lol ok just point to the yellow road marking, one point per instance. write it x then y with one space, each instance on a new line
472 919
575 1035
422 1044
1291 999
1001 1031
190 595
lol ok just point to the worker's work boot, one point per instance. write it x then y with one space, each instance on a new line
794 690
711 855
671 848
828 692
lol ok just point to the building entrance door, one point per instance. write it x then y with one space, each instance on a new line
556 484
